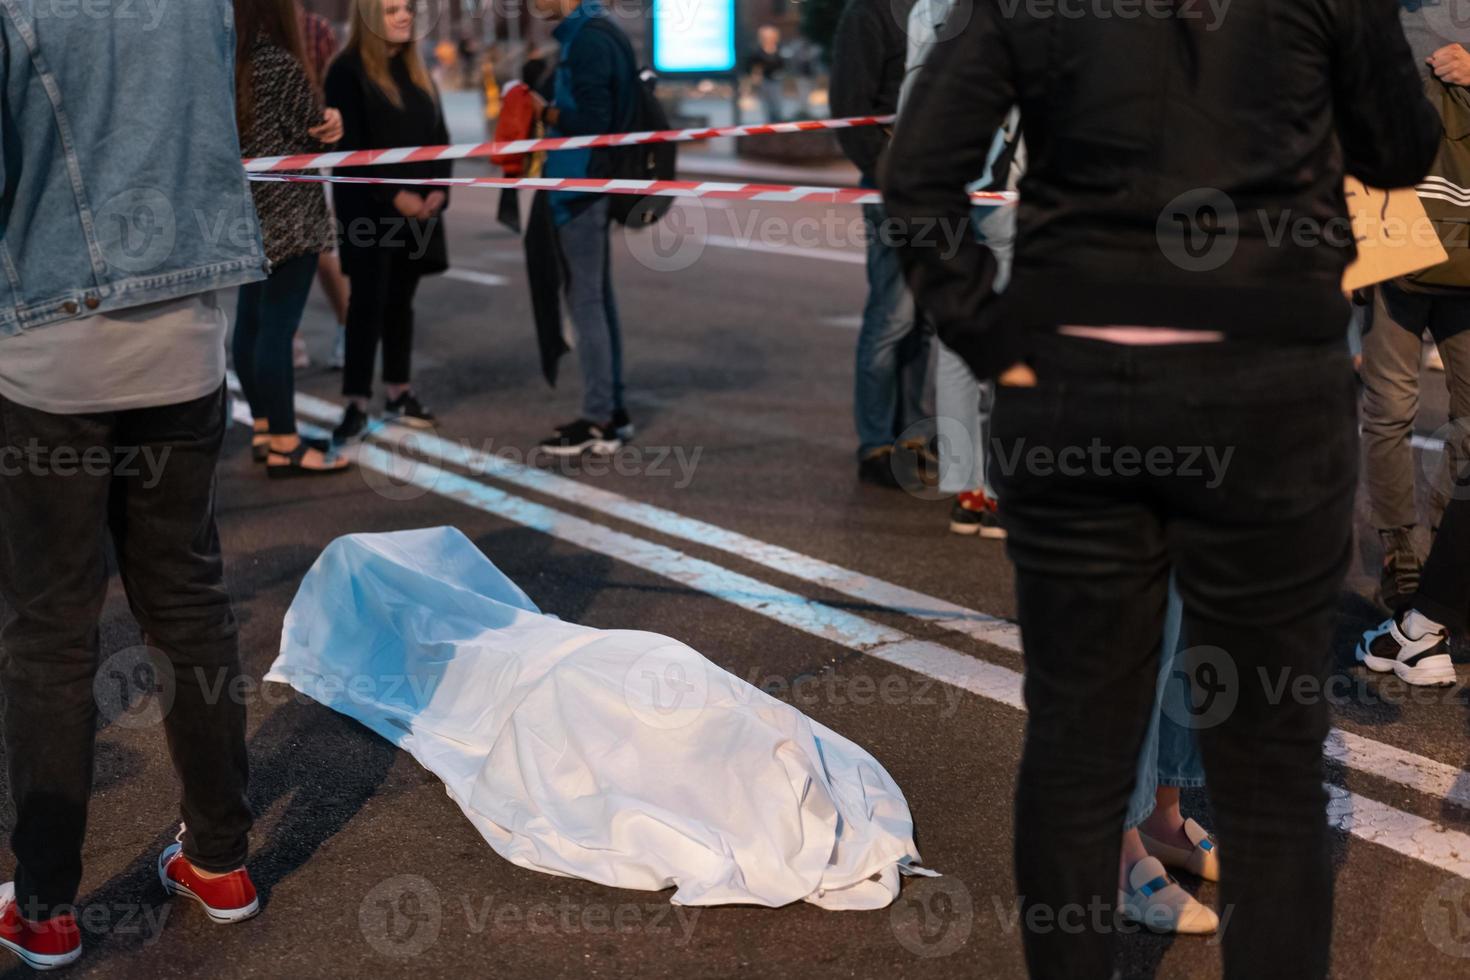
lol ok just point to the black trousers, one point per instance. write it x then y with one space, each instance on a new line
1106 484
147 477
1444 588
380 309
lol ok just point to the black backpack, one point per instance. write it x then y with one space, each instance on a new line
645 161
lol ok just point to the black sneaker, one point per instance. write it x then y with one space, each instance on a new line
407 410
877 468
623 425
581 437
352 427
1399 582
1424 662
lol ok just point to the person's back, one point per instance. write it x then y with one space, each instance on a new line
122 186
1182 236
1173 160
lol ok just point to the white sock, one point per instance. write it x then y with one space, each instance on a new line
1416 626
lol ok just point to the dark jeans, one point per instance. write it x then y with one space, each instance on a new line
1103 495
380 309
266 320
147 476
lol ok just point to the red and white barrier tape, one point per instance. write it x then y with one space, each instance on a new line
461 151
707 190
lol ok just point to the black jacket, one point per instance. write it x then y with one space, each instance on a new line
372 231
1167 158
868 60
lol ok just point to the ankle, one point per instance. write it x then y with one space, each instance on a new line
285 444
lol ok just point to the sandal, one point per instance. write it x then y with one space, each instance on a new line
260 444
293 464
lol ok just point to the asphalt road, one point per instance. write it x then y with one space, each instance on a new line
739 346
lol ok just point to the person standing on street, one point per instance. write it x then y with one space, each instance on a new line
320 42
279 113
595 93
894 350
766 66
1393 350
392 236
112 414
1150 307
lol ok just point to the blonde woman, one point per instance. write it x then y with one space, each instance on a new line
391 236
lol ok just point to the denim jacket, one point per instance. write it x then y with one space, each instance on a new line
120 175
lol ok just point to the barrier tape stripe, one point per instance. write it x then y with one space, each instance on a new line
461 151
642 188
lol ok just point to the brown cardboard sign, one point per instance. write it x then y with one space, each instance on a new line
1394 234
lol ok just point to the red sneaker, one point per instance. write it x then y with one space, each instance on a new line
975 513
228 898
40 945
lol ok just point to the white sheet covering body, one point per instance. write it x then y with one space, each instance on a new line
621 757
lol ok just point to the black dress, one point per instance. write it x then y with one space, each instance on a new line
375 237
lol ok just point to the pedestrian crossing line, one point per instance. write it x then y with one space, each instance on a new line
1369 820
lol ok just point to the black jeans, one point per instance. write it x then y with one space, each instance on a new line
380 309
1444 588
147 476
1105 486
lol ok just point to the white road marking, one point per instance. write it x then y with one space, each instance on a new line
477 277
1378 823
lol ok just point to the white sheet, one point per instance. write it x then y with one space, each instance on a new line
620 757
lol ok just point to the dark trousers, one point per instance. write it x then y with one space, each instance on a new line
1444 588
266 320
147 476
1104 492
380 309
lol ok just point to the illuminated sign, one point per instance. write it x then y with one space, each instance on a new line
694 37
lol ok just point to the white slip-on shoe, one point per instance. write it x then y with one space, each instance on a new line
1423 663
1157 902
1203 859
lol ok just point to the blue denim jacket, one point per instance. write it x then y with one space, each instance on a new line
120 175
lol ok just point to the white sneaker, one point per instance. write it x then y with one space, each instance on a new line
1424 662
338 360
1157 902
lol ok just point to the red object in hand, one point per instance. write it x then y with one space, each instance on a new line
520 110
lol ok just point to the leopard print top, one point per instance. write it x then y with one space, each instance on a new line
293 217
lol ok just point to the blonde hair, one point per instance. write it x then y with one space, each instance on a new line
368 27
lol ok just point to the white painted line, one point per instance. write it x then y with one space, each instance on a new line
1400 832
1427 776
880 594
477 277
1428 444
1378 823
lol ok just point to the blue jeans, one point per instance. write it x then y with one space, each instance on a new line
594 311
964 404
267 317
893 350
1170 752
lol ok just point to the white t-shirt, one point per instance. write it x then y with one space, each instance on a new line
161 354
